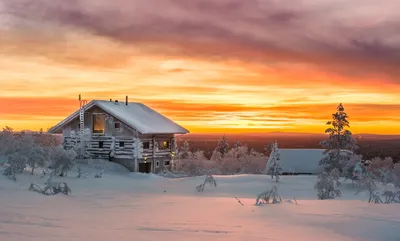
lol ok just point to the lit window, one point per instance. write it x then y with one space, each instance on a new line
98 123
163 145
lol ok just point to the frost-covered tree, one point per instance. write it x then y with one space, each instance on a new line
7 141
62 160
80 145
36 157
17 164
18 152
327 185
184 152
222 146
274 164
381 168
340 145
354 168
238 144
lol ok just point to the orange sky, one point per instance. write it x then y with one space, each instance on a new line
215 74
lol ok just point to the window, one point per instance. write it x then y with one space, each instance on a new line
146 145
98 123
163 145
166 163
117 126
101 144
121 144
157 164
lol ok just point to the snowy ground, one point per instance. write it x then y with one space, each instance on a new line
125 206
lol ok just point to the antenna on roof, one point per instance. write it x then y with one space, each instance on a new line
126 100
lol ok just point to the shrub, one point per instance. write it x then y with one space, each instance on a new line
327 185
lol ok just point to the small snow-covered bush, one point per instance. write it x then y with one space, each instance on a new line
81 174
51 188
98 175
269 196
327 185
396 175
386 197
209 180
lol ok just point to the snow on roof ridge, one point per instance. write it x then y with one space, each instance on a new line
136 115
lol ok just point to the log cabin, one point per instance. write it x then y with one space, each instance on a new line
128 133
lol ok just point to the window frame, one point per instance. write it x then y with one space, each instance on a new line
147 143
94 116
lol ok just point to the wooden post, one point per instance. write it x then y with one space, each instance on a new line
173 153
135 153
155 146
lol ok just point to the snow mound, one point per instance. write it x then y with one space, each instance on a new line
104 166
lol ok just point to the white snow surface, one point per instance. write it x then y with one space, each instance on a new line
299 160
136 115
130 206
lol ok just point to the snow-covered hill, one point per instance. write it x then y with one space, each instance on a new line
126 206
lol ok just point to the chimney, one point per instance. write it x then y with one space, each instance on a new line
110 100
126 100
116 101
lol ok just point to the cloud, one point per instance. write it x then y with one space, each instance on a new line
350 38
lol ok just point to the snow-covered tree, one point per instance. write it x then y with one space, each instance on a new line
36 157
340 145
274 166
354 168
238 144
381 168
222 146
7 141
62 160
327 185
184 152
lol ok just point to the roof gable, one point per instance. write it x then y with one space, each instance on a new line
136 115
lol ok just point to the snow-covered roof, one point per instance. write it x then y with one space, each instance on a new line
299 160
136 115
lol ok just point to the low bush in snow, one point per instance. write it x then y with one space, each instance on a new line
98 175
52 187
268 197
209 180
385 197
327 185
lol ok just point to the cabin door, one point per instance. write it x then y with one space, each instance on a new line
145 167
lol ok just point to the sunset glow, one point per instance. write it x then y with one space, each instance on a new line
248 67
